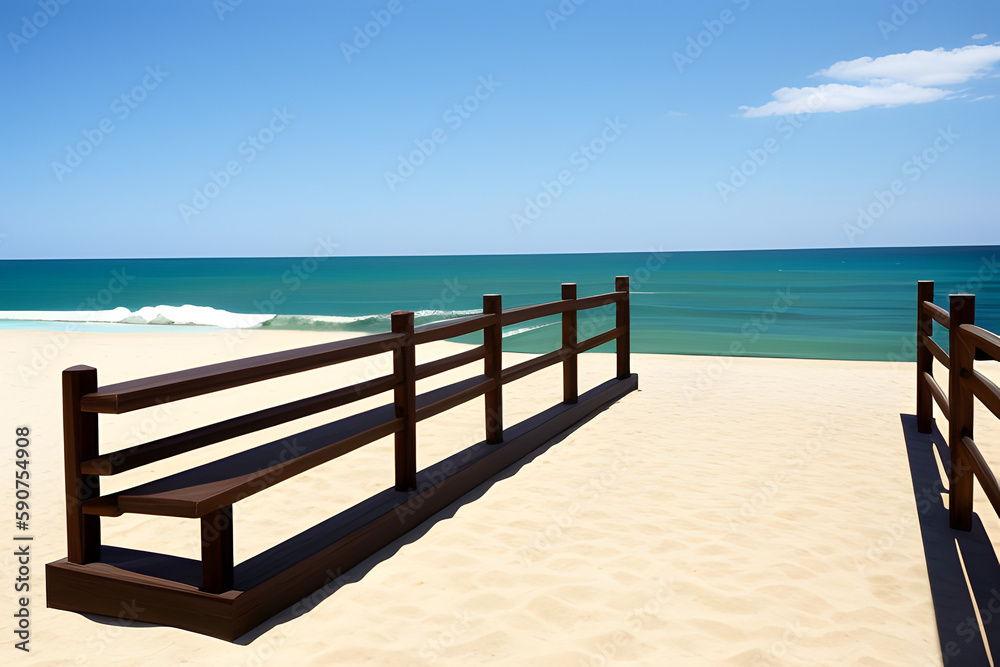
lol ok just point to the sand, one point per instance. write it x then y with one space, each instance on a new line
733 511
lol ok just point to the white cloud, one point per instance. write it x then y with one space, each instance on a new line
979 35
889 81
921 68
843 97
982 97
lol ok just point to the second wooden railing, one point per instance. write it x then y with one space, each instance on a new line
966 343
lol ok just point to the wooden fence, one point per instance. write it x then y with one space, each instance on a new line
966 342
223 599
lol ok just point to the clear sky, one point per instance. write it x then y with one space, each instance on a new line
175 128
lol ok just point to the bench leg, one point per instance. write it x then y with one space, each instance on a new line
217 550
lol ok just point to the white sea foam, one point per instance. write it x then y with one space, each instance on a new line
445 314
187 314
508 334
208 316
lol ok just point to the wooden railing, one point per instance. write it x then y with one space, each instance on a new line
208 492
966 343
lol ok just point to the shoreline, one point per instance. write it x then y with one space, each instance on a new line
833 303
131 329
732 524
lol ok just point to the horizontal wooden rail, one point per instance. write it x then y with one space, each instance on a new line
428 333
984 389
987 341
936 350
598 300
939 314
454 394
937 393
157 450
135 394
983 473
525 368
599 339
452 362
524 313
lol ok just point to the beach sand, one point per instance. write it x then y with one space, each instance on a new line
733 511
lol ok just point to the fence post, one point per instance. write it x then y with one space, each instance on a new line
217 550
569 364
622 322
493 368
83 531
404 365
960 404
925 360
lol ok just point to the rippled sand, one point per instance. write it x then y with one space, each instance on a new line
733 511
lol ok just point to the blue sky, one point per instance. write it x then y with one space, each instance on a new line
185 129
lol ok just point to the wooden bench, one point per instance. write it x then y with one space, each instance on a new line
220 598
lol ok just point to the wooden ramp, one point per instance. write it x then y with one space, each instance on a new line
166 588
215 596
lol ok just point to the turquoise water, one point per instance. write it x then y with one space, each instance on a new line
832 304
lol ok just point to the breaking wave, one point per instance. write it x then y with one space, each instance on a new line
208 316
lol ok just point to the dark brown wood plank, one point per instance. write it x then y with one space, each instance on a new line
622 319
525 368
428 333
432 368
99 588
936 393
404 364
135 394
569 334
157 450
599 300
493 369
445 398
217 550
599 339
987 341
201 499
937 352
960 402
524 313
985 391
83 531
983 472
102 506
925 362
938 313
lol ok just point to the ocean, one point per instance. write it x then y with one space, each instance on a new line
856 303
